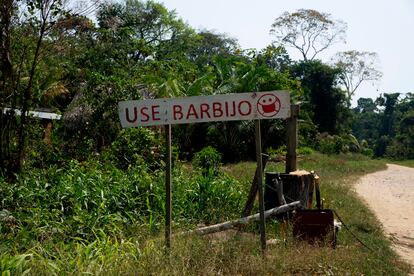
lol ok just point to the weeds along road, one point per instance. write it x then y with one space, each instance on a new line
390 194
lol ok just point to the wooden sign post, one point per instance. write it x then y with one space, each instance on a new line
260 184
228 107
168 187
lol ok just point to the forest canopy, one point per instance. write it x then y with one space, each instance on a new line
64 62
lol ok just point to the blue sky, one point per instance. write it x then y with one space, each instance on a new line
385 27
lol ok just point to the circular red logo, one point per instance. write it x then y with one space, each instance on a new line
268 105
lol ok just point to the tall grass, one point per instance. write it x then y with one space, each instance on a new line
92 218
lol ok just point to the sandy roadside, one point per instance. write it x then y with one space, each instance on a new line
390 194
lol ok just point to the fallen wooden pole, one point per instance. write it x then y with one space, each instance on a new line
242 221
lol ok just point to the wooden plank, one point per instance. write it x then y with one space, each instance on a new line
168 187
260 184
292 139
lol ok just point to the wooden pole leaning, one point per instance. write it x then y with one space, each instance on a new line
248 207
168 185
260 184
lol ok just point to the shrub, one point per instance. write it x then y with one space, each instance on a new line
208 160
328 144
281 151
332 144
305 150
135 147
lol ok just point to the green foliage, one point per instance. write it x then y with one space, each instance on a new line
86 197
324 102
113 240
208 198
305 151
208 160
334 144
233 139
91 197
80 199
14 265
386 125
366 123
281 151
135 147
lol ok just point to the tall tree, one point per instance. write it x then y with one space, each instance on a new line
322 99
23 36
390 102
142 25
308 31
356 67
366 122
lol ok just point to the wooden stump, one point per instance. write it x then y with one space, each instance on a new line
297 186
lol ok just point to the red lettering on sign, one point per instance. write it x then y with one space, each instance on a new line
178 112
217 110
231 113
155 112
192 112
145 116
204 109
249 105
135 115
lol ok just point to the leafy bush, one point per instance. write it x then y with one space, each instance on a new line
329 144
305 150
208 160
401 147
281 151
365 149
135 147
332 144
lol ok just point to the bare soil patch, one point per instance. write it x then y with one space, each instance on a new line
390 194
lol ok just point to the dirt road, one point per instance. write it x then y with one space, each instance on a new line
390 194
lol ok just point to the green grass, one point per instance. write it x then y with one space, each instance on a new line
407 163
117 246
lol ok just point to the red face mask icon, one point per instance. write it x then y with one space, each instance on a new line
268 105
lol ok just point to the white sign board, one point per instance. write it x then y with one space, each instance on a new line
227 107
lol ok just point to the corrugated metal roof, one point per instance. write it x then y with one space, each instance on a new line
36 114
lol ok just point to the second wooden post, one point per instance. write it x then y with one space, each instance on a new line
292 138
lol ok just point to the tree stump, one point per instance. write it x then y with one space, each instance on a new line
297 186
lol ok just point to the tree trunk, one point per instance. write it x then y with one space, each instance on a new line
27 97
297 185
6 81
